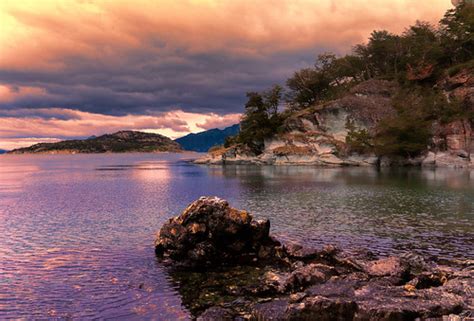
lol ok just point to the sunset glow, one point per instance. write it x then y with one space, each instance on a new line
75 68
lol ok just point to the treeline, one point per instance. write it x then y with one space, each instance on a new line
416 59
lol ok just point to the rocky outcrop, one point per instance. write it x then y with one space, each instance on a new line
317 135
460 86
237 154
250 276
454 141
211 232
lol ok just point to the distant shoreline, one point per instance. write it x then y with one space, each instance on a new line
104 153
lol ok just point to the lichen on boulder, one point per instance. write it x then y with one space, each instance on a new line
209 232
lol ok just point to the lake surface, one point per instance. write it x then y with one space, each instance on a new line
77 231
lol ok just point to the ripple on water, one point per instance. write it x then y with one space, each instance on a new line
87 284
77 230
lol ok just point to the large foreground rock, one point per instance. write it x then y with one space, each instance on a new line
211 232
250 276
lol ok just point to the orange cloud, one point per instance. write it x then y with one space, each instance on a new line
36 33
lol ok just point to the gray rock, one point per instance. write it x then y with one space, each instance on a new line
209 232
310 308
216 314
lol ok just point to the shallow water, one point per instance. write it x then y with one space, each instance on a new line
77 230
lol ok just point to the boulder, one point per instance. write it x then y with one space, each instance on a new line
216 313
391 266
310 308
299 251
211 232
377 302
299 279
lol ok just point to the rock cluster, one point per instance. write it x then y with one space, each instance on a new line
211 232
290 281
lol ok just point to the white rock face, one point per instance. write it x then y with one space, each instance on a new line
271 144
335 124
430 160
309 125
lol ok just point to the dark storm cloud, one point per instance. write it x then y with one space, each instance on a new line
212 82
122 57
44 113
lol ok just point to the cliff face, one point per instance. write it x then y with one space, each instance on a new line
453 143
317 135
120 142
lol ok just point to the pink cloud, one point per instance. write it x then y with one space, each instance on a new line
22 127
12 93
217 121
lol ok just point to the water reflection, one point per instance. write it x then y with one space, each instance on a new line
77 230
429 211
462 179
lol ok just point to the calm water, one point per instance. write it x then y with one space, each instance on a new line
76 231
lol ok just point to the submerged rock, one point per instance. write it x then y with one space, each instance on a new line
251 276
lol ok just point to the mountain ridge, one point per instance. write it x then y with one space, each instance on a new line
203 141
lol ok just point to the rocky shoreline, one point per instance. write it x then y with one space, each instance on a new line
318 135
228 267
431 160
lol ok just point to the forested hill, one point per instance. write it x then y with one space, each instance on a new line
120 142
397 96
202 142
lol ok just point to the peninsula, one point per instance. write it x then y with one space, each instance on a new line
119 142
399 99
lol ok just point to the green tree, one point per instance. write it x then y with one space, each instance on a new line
307 86
408 132
348 70
457 33
261 118
422 51
404 135
383 54
359 140
310 86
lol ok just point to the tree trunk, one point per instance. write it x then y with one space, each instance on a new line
467 138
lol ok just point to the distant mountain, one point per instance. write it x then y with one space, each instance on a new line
2 151
120 142
201 142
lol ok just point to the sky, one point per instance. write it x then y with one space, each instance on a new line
77 68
